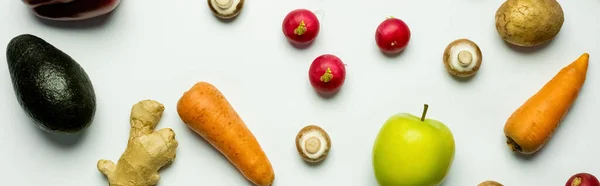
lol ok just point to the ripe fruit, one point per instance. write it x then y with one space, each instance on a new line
52 88
583 179
392 35
412 151
301 26
327 74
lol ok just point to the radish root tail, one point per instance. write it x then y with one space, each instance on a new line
513 145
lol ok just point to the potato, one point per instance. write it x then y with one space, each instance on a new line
529 23
489 183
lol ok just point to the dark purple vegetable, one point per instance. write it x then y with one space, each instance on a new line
69 10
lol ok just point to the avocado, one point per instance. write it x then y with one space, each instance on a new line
50 86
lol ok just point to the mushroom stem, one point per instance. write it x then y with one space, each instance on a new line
465 58
224 4
312 145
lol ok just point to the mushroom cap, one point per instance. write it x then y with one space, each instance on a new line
451 53
489 183
228 13
313 131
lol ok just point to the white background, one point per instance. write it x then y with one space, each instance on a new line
156 49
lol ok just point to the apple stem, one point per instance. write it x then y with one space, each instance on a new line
424 112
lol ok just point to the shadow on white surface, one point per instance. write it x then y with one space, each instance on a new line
230 20
91 23
62 140
302 46
331 96
461 79
393 55
528 50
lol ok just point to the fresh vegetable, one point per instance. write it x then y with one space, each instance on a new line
489 183
392 35
147 150
301 26
583 179
313 144
529 23
70 10
529 127
462 58
51 87
226 9
205 110
412 150
327 74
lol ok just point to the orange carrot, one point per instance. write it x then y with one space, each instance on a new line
532 125
207 112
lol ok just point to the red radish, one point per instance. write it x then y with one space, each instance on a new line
583 179
327 74
392 35
301 26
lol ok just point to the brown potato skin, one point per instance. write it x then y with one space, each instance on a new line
490 183
529 23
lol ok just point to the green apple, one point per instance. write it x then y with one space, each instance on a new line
412 151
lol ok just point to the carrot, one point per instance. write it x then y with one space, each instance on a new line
205 110
529 128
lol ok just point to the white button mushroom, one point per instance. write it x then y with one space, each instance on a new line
226 9
224 4
313 144
462 58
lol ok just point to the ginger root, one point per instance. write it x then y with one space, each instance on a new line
147 150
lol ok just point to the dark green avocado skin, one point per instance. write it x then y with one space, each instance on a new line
51 87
